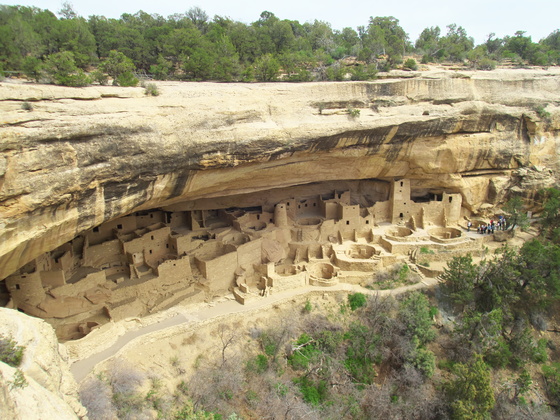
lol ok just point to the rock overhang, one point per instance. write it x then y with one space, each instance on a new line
86 156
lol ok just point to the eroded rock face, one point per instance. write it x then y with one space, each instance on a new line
51 391
86 156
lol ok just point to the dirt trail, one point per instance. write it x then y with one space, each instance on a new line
82 368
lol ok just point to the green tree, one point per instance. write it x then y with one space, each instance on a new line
75 36
550 220
266 68
198 17
523 47
198 65
459 280
32 67
456 44
517 216
428 42
162 69
384 36
415 315
226 66
61 69
470 393
19 40
116 65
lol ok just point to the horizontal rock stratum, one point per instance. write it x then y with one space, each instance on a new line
84 156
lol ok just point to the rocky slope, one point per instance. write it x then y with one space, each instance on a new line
88 155
50 390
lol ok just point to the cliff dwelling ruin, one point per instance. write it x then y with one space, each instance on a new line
116 205
189 252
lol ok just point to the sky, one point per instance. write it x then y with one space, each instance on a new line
479 17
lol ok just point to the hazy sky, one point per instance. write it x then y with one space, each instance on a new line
479 17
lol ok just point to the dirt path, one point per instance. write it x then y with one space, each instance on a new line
82 368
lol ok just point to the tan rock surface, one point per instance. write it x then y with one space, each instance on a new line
51 391
85 156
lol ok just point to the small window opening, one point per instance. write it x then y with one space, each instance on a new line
150 251
119 226
18 287
151 215
348 222
401 215
450 199
367 222
96 229
402 183
152 237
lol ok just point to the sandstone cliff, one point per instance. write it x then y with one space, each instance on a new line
85 156
51 391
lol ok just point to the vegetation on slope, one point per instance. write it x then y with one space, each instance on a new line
492 354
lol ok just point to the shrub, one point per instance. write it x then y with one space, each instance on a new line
151 89
410 64
32 67
312 393
27 106
78 79
117 65
308 307
307 350
551 375
268 344
126 79
98 76
415 315
335 73
10 352
425 361
542 112
363 72
356 300
61 69
19 380
426 250
96 397
404 272
487 64
353 112
258 364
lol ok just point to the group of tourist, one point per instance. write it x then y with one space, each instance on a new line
491 227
